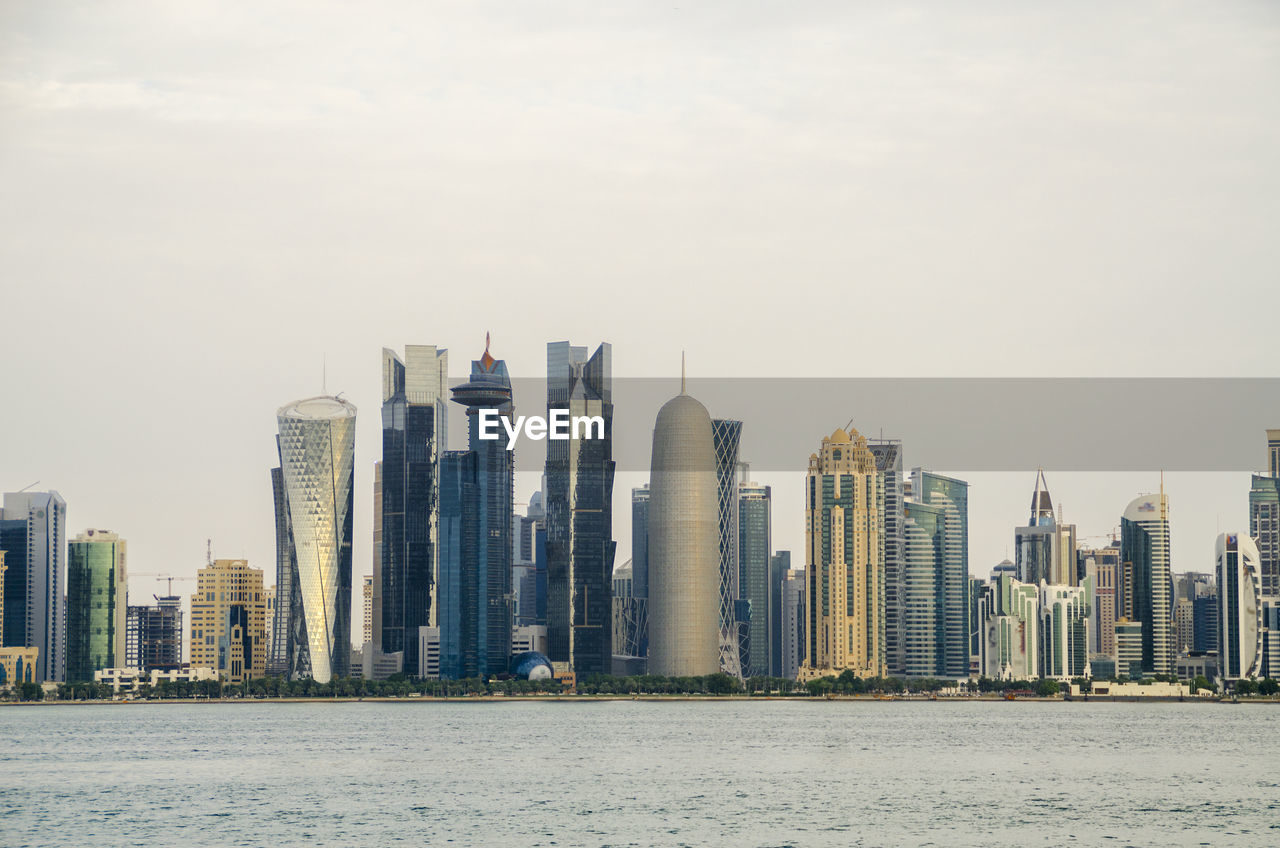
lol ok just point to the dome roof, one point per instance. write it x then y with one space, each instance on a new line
530 665
682 409
319 408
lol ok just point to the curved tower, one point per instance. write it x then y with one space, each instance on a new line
684 549
317 461
1240 606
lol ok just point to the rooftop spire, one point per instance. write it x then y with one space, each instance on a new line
1041 503
682 377
487 360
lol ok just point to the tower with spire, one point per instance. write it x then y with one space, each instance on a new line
1045 549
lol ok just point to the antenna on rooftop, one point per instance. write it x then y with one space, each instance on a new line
682 374
24 488
208 551
324 373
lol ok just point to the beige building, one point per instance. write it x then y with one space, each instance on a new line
367 632
269 627
18 665
844 502
228 620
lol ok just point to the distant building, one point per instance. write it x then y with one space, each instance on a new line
316 444
794 593
269 596
1264 526
754 579
1101 565
579 509
153 635
33 536
1148 583
228 620
683 549
125 680
1046 551
1129 648
888 455
1009 630
727 436
1184 621
474 605
1004 568
779 567
936 576
415 432
366 631
97 599
18 665
640 561
1065 612
629 613
530 638
844 501
1240 606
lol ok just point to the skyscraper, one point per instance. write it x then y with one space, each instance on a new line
317 461
1240 606
579 510
1264 519
727 436
683 548
476 508
1144 555
414 433
97 589
794 592
1065 612
1102 565
286 634
33 536
228 620
640 562
844 500
366 606
779 568
1009 630
1045 550
755 582
888 454
936 577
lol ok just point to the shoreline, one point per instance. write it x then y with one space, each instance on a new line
489 699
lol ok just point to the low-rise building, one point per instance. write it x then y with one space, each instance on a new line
18 665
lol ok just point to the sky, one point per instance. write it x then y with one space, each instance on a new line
209 210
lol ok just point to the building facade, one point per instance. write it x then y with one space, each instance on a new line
475 612
33 534
936 576
228 620
1148 582
1240 606
683 543
414 434
1101 565
888 454
97 601
317 460
844 501
727 437
1009 630
153 635
579 509
756 581
1045 550
1065 613
794 593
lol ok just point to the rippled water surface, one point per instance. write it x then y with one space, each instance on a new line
637 773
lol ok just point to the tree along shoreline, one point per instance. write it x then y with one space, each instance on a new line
648 687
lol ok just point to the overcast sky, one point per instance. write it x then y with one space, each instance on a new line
201 204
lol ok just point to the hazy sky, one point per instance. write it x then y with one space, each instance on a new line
202 203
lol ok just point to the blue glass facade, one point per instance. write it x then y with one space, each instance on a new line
579 511
936 594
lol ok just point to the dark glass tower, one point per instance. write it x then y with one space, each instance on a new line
579 510
728 437
936 591
414 431
754 579
476 507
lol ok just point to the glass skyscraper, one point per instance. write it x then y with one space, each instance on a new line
1240 606
286 635
1147 582
779 566
727 436
888 454
579 510
474 599
33 535
317 462
97 592
755 579
1045 551
414 433
936 590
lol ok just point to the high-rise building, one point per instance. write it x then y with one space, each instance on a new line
844 501
888 454
366 597
1102 565
754 574
626 612
414 433
317 461
1129 648
1184 621
1273 452
97 598
1065 612
640 560
579 509
1240 606
33 536
683 548
794 593
1045 550
229 620
153 635
1009 630
474 604
1264 523
1144 554
779 566
936 576
284 637
1205 618
269 597
727 436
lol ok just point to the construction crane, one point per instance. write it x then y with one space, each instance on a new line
157 576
